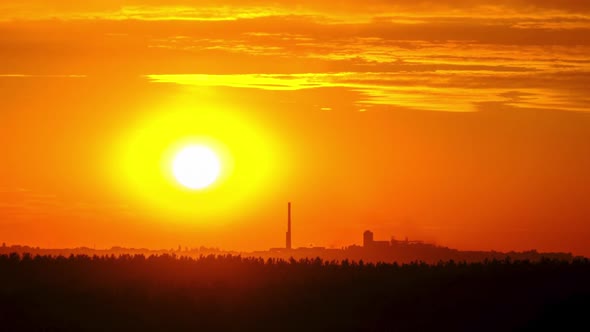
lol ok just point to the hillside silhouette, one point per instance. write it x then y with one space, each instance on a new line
233 293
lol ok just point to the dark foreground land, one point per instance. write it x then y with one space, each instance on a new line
164 293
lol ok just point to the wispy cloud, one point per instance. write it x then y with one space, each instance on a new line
436 91
40 76
404 11
25 204
444 55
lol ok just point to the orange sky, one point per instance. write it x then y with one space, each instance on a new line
461 122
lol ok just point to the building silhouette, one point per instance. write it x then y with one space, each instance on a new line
402 251
368 239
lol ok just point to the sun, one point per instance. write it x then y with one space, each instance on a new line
196 167
195 163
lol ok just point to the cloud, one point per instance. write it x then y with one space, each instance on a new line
25 204
444 55
409 11
435 92
40 76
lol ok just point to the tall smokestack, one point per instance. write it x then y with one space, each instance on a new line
288 244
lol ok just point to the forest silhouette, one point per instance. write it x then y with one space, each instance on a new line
233 293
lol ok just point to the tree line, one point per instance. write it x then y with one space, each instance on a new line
234 293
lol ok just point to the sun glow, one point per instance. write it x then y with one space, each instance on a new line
196 167
195 163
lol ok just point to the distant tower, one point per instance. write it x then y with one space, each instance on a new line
288 244
367 238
